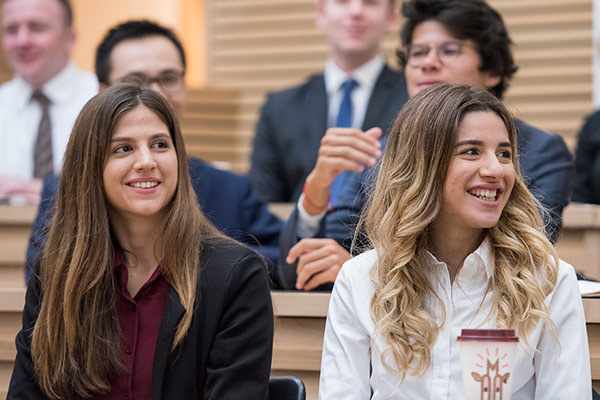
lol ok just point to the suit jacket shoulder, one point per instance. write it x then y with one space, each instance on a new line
229 202
547 167
586 188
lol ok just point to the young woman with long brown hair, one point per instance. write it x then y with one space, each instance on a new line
137 295
457 242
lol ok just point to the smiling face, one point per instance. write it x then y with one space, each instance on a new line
354 28
140 174
464 68
480 176
36 39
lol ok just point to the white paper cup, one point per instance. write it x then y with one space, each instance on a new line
487 358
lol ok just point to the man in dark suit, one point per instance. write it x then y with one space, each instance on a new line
453 41
145 53
293 122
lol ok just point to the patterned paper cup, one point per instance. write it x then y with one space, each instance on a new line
487 357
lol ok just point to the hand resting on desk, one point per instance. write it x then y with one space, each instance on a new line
319 261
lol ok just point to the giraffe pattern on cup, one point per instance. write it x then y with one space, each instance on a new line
491 386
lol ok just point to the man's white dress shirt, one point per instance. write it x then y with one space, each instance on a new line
20 117
351 366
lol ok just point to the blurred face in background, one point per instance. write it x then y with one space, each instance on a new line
152 61
36 38
435 56
355 28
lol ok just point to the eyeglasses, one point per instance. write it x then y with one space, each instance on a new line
446 52
168 80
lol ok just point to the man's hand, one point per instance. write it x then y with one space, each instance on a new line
342 149
319 261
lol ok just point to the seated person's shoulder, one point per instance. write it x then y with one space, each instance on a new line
530 135
6 92
294 94
358 268
226 249
202 172
592 121
222 256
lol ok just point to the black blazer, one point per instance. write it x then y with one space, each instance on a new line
586 188
292 123
227 351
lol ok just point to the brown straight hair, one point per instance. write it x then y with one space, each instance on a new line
76 346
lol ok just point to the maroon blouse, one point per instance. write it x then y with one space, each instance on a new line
139 319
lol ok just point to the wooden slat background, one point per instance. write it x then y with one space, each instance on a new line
256 46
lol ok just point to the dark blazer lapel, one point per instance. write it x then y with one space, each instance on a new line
173 313
315 108
389 95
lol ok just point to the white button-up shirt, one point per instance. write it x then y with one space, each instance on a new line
351 366
20 118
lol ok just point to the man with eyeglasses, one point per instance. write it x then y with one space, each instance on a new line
143 53
444 41
148 54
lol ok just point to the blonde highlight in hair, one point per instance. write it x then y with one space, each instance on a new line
407 199
76 346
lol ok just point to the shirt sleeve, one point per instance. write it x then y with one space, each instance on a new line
345 365
308 225
563 368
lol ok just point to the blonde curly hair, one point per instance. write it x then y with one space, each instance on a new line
408 197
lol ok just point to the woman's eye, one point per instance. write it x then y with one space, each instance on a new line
471 152
122 149
161 144
505 154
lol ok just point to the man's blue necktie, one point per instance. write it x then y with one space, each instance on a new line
344 120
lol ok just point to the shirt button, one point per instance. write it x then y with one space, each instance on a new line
128 351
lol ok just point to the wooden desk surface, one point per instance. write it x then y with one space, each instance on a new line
17 215
300 323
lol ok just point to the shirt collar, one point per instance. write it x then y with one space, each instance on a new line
365 75
482 256
58 89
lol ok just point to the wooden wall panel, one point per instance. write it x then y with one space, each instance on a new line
257 46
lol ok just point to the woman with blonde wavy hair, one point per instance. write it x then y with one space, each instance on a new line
457 242
137 295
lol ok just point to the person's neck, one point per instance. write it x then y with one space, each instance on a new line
452 246
349 63
139 240
40 82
